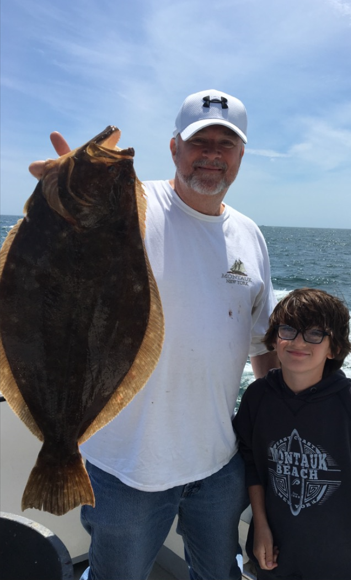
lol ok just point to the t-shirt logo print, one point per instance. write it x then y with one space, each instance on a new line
237 274
238 268
303 474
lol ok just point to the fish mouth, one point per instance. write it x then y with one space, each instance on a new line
106 143
109 137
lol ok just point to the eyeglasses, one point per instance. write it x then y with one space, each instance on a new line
312 335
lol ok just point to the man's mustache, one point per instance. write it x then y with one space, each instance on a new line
212 164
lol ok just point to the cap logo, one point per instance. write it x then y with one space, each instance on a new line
207 102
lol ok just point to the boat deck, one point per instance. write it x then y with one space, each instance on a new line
157 573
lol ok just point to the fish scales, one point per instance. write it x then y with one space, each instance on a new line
81 321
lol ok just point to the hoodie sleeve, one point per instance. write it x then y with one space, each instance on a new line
243 425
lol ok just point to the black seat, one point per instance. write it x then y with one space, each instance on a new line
29 551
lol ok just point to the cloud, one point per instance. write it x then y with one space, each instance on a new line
342 7
321 144
325 147
266 153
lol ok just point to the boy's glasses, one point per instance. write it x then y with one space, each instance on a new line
312 335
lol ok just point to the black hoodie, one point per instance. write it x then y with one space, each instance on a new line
298 447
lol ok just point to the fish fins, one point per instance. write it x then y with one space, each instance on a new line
58 488
8 385
141 199
149 351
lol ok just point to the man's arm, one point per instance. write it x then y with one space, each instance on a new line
263 363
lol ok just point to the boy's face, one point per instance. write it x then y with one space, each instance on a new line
302 362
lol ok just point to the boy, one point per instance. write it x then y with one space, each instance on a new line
294 428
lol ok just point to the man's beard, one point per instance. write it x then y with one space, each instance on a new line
205 185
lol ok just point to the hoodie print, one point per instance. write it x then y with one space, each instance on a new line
302 474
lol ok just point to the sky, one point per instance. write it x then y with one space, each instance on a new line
76 67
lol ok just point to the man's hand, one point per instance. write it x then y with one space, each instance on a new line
61 147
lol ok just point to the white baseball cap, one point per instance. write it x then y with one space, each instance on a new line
207 108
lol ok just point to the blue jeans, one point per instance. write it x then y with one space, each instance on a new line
128 527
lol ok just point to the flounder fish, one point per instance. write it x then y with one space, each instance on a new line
81 322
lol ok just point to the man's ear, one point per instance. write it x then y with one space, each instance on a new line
173 147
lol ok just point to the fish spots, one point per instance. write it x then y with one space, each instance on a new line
230 313
15 319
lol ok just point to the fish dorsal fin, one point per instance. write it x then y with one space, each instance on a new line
141 199
8 385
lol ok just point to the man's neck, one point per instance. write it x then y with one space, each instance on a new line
206 204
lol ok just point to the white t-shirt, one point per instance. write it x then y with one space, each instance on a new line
213 276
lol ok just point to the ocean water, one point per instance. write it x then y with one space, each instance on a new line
300 257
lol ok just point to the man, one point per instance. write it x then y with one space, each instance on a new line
172 450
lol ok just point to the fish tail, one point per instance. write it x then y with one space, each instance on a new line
58 487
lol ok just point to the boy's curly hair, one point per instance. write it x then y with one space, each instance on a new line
305 308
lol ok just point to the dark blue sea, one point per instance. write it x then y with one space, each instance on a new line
313 257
